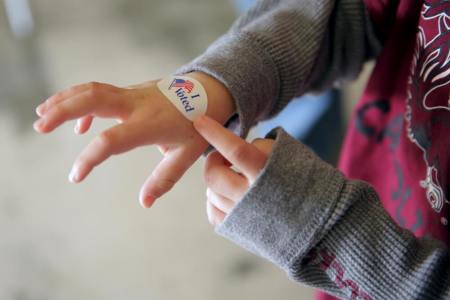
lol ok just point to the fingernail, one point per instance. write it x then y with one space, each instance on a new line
39 110
41 107
73 175
148 201
77 128
38 125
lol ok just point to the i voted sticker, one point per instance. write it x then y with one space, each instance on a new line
186 93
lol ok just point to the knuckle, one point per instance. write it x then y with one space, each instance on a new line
240 152
95 88
93 85
59 111
106 139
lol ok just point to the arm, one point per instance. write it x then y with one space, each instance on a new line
281 49
265 59
322 229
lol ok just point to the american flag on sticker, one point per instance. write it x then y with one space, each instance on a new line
186 84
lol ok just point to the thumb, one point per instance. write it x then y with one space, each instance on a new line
246 157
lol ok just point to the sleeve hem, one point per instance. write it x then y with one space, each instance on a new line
248 89
279 218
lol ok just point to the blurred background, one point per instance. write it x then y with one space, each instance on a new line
93 240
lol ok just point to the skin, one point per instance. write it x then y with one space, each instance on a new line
232 169
146 117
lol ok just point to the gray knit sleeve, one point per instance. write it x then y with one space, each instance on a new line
332 233
280 49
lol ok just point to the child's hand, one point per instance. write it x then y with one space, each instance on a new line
145 117
225 185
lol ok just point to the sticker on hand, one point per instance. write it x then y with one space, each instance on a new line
186 93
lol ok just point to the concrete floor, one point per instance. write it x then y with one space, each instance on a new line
93 240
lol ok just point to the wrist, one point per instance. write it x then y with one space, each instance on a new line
221 105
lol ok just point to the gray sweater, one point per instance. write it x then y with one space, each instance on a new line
301 213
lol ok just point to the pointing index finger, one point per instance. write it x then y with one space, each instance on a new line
246 157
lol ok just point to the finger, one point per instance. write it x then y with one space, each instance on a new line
166 174
58 97
98 103
118 139
163 149
83 124
223 180
67 93
241 154
264 145
215 215
219 201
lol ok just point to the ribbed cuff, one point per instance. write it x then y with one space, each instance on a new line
252 83
283 214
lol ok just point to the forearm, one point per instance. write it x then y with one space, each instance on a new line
364 253
280 49
332 233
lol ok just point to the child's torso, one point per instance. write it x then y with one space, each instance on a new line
399 136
